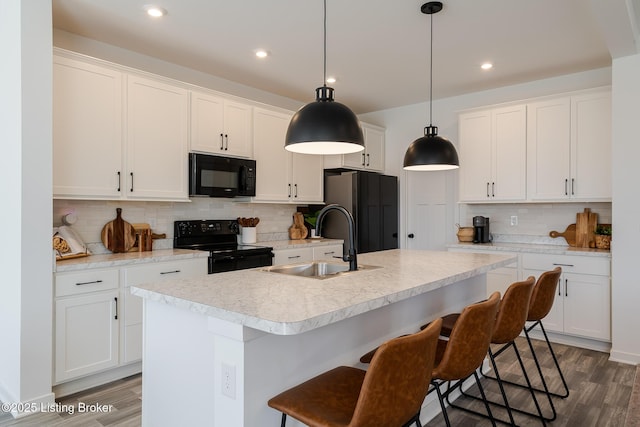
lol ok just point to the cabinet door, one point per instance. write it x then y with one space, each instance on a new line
307 178
157 140
500 279
207 126
591 146
374 148
237 129
87 130
355 160
587 306
292 256
548 149
475 156
86 334
132 310
273 161
509 154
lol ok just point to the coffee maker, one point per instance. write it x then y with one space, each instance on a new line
481 229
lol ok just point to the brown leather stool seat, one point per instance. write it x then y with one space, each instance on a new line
389 394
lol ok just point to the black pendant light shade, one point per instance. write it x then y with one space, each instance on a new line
324 127
431 152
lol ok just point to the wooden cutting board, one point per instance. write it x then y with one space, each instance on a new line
586 223
118 235
569 234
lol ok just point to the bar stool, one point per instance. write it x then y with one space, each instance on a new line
389 394
541 302
510 321
463 353
460 356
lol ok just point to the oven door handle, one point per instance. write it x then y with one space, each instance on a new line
226 258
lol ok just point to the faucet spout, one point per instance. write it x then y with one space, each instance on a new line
348 253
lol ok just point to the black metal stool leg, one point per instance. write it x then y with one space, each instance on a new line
442 406
283 422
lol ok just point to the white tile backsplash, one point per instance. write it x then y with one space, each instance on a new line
535 220
275 219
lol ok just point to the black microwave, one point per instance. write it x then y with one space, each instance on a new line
217 176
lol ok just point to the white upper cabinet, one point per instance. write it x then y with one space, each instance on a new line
493 154
569 148
220 126
117 135
87 129
372 158
157 132
282 176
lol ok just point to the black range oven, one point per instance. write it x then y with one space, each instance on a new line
219 237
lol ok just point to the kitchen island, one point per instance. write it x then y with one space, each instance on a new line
217 347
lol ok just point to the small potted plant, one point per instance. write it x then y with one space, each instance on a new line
603 236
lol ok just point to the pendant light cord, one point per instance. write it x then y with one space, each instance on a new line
430 76
324 80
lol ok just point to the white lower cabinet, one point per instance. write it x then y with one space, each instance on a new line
327 252
155 272
98 323
86 323
292 256
582 306
306 254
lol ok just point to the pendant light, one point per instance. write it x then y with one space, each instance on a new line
324 126
431 152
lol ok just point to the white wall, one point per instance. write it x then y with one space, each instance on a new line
25 181
625 294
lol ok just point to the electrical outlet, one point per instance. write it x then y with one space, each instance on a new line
514 220
228 383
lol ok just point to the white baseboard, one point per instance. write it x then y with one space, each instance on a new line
624 357
589 344
27 407
84 383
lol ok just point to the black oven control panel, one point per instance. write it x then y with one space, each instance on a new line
203 228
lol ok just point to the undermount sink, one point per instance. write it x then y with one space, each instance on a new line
316 269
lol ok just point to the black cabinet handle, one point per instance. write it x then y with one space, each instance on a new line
566 287
222 141
295 194
368 159
330 253
559 287
170 272
226 140
363 157
488 190
132 182
294 257
289 190
573 182
118 181
116 300
410 235
88 283
563 265
493 189
566 182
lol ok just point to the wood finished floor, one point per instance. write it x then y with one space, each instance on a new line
600 392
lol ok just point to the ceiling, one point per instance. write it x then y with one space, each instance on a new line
377 49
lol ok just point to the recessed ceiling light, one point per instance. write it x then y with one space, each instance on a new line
261 53
331 80
486 66
155 11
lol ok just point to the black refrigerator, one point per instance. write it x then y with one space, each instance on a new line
372 199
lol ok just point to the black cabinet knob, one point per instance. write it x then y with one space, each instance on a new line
410 235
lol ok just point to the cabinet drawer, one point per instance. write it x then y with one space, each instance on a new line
569 263
181 269
292 256
327 252
86 281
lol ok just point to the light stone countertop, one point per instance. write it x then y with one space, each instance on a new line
302 243
532 248
287 305
126 259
